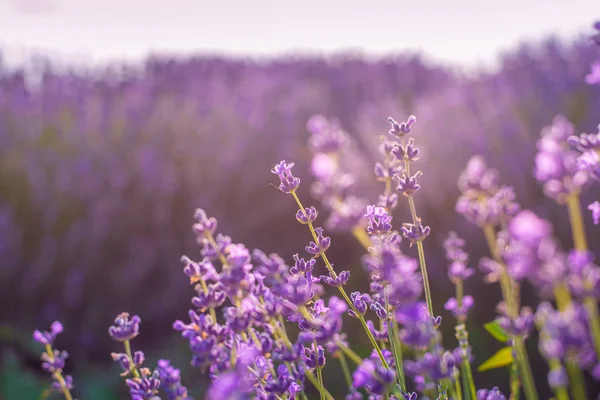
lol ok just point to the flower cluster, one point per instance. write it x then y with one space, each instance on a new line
245 302
53 361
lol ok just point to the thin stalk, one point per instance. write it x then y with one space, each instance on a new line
311 377
232 355
342 291
362 237
466 373
58 376
345 369
580 242
395 345
515 387
415 219
576 219
510 298
562 296
458 389
397 352
350 353
320 379
577 383
128 352
526 374
470 383
205 290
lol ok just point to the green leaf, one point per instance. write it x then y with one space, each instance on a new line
502 358
496 331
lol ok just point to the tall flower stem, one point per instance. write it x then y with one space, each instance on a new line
58 375
396 346
342 291
420 250
463 341
580 242
510 297
345 369
350 353
313 379
128 352
320 379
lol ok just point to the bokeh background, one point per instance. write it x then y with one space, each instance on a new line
118 119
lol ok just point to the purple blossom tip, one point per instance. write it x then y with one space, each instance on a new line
403 128
289 183
124 328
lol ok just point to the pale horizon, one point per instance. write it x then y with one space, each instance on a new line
466 33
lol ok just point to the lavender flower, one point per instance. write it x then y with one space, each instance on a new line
144 387
46 337
53 361
494 394
289 183
124 328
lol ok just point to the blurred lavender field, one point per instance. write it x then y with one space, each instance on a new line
101 170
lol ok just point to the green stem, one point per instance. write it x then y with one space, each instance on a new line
345 369
576 219
514 382
320 379
350 353
397 352
592 312
342 291
469 378
577 383
458 388
311 377
525 368
580 242
510 298
396 346
128 352
420 250
58 375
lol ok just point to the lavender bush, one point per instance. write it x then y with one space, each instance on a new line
260 328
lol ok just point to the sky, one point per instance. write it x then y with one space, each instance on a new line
463 32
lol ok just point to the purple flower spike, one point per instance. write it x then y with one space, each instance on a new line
494 394
408 152
380 222
125 328
415 233
408 185
145 387
204 225
46 337
359 304
54 363
289 183
379 310
400 130
302 266
307 215
341 279
595 209
322 244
